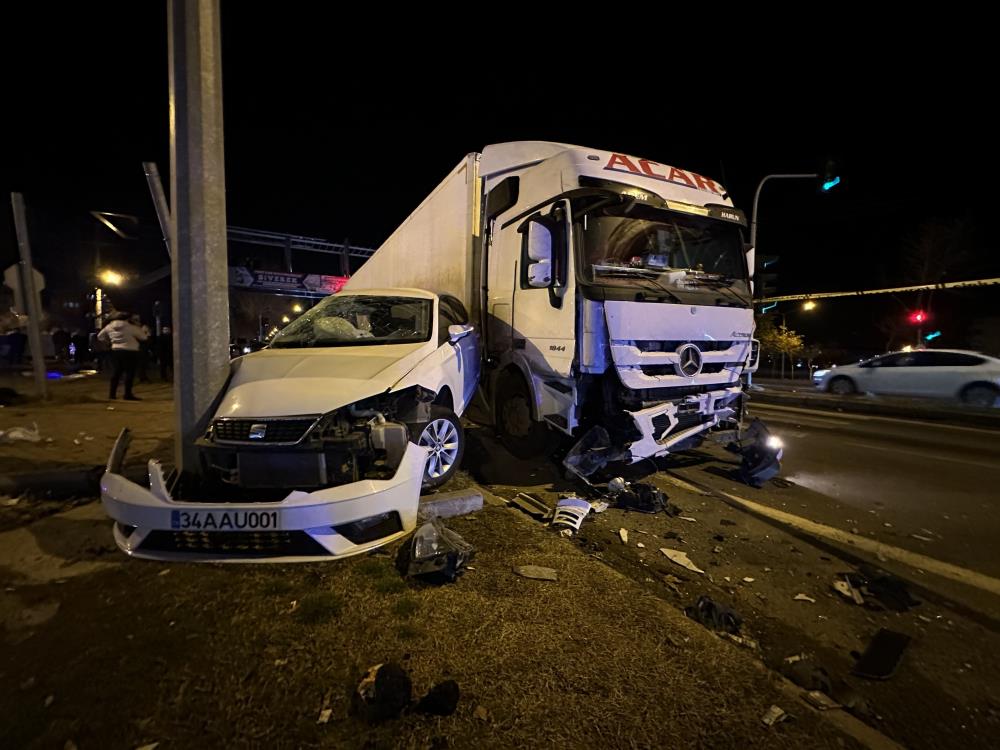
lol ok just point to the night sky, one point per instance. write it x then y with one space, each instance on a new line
337 128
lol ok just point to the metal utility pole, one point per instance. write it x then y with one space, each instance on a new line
32 304
198 219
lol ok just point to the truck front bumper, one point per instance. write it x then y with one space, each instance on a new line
665 425
325 524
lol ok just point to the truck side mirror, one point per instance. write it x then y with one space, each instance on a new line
458 332
539 270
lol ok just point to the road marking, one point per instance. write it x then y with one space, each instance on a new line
913 559
928 456
873 417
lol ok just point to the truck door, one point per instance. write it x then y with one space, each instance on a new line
544 309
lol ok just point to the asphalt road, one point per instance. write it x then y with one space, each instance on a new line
892 478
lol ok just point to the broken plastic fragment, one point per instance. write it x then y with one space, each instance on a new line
623 535
804 598
438 551
536 572
773 715
681 558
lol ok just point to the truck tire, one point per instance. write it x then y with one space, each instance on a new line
444 436
842 386
519 432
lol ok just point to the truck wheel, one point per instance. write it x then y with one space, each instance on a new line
842 386
980 394
519 432
445 438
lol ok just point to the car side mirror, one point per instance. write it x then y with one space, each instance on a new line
539 270
458 332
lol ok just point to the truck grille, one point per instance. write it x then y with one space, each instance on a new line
237 543
709 368
672 346
275 430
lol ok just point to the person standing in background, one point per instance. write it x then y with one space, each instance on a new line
125 338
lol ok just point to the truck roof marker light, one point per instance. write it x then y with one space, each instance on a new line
769 307
594 157
932 336
687 208
831 184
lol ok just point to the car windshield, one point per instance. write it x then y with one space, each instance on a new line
635 245
358 320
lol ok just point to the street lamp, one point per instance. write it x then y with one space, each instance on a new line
111 278
809 305
285 319
296 308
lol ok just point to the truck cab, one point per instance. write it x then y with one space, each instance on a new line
615 292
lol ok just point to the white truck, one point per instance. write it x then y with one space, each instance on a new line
609 291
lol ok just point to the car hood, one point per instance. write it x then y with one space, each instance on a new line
290 382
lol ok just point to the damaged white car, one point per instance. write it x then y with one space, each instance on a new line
320 443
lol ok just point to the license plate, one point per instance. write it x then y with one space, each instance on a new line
224 520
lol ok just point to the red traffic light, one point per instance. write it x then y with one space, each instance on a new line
918 316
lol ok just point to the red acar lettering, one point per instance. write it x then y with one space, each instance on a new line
622 163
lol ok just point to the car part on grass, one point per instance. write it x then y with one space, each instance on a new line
715 616
773 715
643 497
383 693
441 700
681 558
761 454
804 598
437 552
882 657
570 512
536 572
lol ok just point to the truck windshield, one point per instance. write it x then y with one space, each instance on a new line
358 320
634 245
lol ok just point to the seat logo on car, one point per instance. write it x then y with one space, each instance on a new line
689 360
258 431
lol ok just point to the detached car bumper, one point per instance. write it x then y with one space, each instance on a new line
325 524
665 425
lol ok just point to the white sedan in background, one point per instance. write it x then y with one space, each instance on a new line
972 377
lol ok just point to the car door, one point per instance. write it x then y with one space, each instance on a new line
886 375
462 360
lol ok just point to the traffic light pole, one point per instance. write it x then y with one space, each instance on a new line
756 198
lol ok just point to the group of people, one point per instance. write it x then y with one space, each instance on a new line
129 343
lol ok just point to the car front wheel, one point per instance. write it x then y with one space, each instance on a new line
842 386
445 440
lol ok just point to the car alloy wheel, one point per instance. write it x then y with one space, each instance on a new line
441 437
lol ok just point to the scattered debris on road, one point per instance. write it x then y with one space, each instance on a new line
21 434
804 598
681 558
623 535
532 505
884 652
715 616
922 538
570 513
